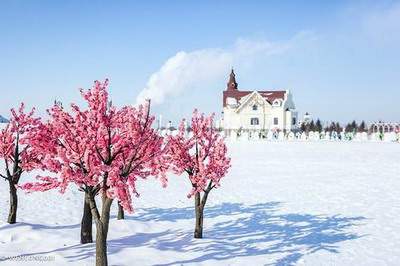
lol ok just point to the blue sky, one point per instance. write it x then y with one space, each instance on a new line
339 58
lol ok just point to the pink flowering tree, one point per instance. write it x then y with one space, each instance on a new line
125 139
142 154
17 153
202 155
68 155
104 150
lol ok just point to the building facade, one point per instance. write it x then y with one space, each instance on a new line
248 110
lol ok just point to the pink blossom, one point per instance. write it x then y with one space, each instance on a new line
15 148
202 153
101 147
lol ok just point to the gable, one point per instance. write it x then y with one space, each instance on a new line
251 99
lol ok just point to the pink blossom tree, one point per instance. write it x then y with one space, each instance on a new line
203 156
18 155
66 153
107 150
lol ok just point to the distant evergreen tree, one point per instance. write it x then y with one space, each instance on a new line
303 127
311 126
362 127
348 128
332 127
318 126
338 127
354 126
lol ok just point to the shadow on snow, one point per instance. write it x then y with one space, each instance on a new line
240 231
39 226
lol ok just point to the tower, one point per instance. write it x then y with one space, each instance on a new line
232 84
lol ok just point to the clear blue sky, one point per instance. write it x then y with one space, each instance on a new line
341 59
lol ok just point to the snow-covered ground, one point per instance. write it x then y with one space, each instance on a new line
283 203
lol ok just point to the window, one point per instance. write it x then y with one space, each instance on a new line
294 121
276 121
255 107
276 103
254 121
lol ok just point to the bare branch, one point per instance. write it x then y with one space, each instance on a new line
5 177
7 167
209 187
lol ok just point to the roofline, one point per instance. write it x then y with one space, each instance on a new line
248 99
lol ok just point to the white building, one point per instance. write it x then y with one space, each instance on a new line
245 110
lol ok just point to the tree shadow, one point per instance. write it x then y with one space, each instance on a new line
259 229
239 231
174 214
38 226
79 252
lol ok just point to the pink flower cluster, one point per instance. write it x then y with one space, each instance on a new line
15 142
201 153
100 147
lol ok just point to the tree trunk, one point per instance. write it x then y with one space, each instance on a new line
121 214
101 245
101 229
102 232
198 231
12 215
200 202
86 224
105 214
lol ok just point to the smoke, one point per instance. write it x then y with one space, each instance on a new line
182 71
186 69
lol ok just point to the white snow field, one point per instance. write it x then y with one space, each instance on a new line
283 203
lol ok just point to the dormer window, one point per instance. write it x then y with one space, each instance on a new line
276 102
255 107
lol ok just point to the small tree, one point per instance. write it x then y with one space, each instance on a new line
60 141
303 127
143 153
17 153
362 127
339 128
327 128
332 127
318 126
203 156
354 126
113 148
311 126
351 127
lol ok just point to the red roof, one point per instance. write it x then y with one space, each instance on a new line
269 96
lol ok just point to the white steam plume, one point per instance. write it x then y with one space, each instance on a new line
186 69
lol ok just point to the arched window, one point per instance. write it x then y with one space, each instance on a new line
255 107
254 121
276 103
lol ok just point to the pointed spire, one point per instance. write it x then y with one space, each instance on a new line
232 84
